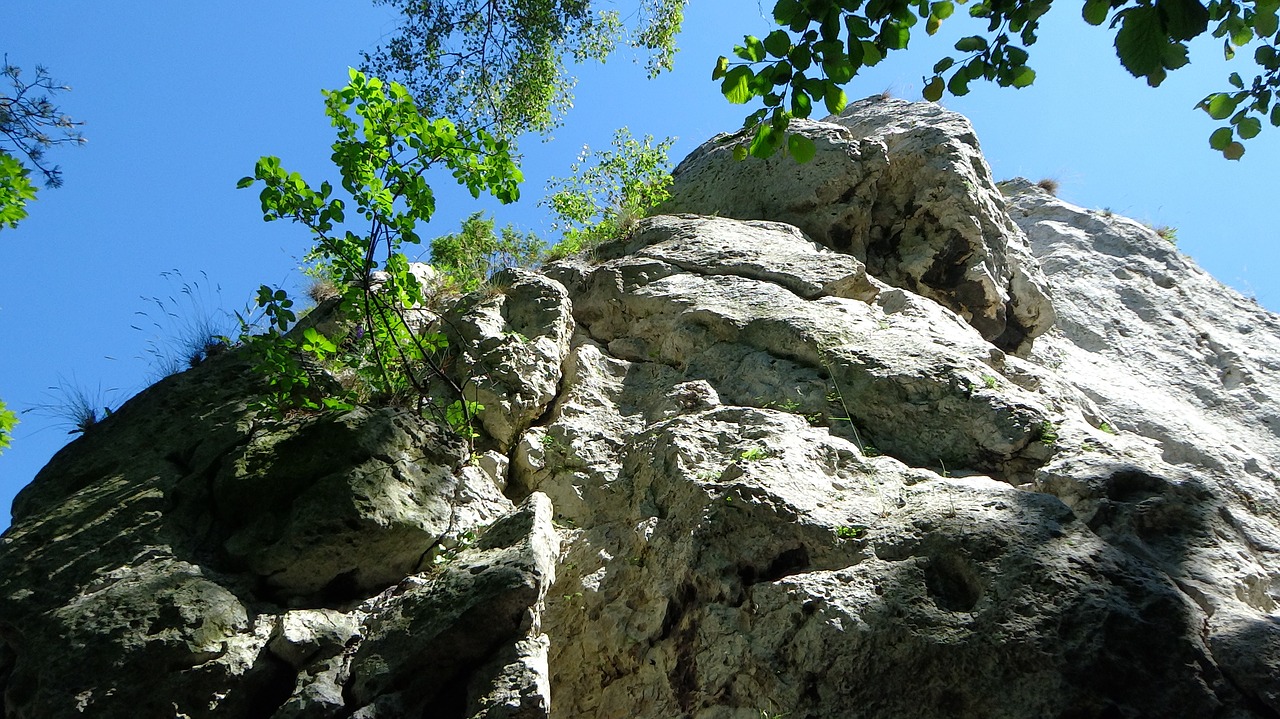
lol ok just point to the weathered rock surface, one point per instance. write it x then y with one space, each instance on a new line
805 462
902 187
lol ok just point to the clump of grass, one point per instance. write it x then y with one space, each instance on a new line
322 289
1168 233
1049 185
189 325
77 407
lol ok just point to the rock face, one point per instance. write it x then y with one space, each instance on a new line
902 187
819 456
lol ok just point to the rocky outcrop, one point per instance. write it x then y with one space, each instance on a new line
902 187
730 466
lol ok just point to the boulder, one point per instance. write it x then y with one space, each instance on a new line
901 186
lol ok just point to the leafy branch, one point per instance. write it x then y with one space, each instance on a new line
384 149
823 44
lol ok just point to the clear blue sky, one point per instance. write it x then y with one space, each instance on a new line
181 99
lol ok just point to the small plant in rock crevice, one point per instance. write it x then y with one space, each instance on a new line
1048 432
79 408
1049 185
853 531
753 454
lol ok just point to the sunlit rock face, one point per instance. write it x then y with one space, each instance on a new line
904 188
813 445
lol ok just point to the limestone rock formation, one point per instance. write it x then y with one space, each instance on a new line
820 450
901 186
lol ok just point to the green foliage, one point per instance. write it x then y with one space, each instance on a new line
16 190
850 531
609 191
384 149
753 454
469 257
8 420
501 64
1168 233
1048 432
30 124
820 46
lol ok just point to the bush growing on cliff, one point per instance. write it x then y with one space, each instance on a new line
609 191
469 257
385 148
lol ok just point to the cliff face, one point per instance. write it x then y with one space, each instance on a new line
931 448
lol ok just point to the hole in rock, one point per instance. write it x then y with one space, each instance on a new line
952 583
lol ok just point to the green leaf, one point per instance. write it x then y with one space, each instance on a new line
942 10
933 89
958 85
943 65
786 11
1221 106
1266 56
1275 115
801 148
1241 35
1220 138
1183 19
1233 151
932 24
1095 11
1023 77
244 182
722 67
737 85
894 35
871 54
778 43
1265 24
802 105
1236 82
835 99
766 141
973 43
752 51
840 70
740 153
1249 128
1140 40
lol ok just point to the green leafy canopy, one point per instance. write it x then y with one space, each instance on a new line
821 45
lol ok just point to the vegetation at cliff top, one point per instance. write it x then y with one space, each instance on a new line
384 151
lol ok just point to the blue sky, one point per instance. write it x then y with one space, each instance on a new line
182 98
